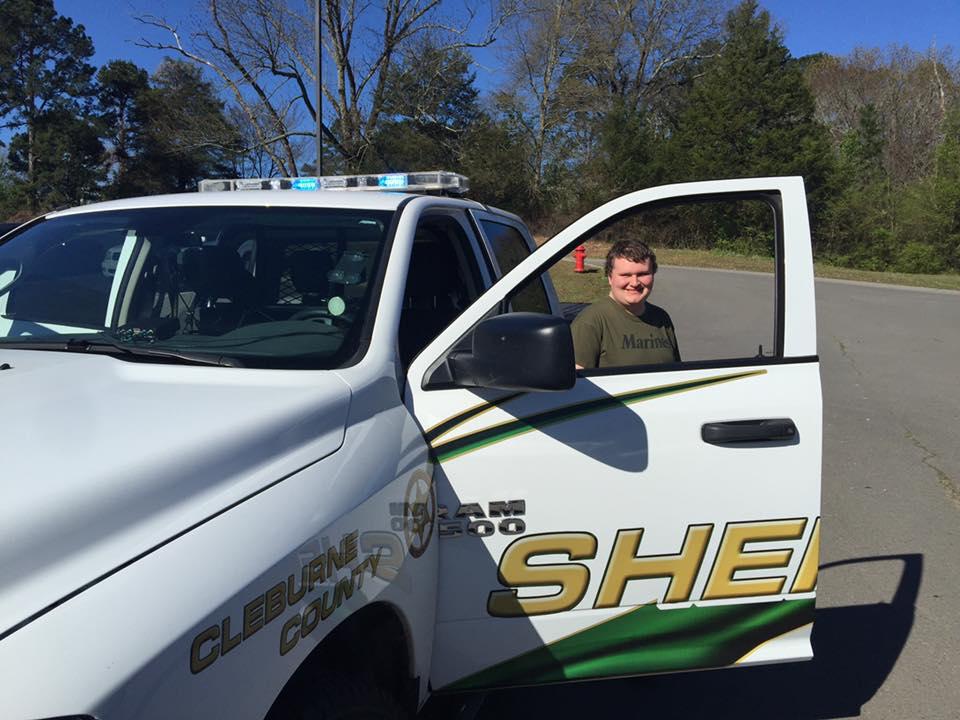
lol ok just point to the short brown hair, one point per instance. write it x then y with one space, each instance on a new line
632 250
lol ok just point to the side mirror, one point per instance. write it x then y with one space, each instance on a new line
518 351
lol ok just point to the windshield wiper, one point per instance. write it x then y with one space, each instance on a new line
110 347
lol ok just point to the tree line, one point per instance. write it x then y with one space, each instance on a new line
590 99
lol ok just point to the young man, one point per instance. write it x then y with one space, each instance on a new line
624 328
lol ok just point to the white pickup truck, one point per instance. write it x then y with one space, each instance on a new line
320 454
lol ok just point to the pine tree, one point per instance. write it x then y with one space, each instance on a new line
627 157
121 86
8 206
749 113
859 227
44 75
63 154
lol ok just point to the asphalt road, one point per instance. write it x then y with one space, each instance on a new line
887 634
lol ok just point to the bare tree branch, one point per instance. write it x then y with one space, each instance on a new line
261 52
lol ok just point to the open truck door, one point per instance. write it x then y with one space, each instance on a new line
644 519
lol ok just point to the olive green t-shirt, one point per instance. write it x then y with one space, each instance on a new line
606 334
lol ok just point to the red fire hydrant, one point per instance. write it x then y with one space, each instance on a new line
579 253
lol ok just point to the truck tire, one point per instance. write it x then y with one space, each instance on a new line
345 697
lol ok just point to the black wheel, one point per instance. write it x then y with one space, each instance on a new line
346 697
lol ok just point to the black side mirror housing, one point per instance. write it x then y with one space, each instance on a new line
517 351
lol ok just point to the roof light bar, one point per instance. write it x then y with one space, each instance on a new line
438 181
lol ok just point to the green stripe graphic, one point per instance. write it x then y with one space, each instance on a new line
649 640
444 427
504 431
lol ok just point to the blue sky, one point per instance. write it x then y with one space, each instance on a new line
838 26
833 26
114 30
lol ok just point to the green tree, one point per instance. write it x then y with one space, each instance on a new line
749 113
43 74
431 118
64 155
121 86
429 107
862 150
626 158
946 193
860 222
495 160
8 188
184 134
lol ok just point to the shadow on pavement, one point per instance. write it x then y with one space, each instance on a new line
855 648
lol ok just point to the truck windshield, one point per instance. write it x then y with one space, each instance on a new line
268 286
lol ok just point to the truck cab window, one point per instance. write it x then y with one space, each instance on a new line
511 249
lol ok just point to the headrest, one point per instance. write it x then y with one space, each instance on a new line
433 269
215 271
308 271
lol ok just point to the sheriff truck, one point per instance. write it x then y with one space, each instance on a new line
317 448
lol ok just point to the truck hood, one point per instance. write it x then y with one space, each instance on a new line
101 460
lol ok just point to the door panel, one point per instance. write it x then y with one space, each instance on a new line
593 532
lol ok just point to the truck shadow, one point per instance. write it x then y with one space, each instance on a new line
855 648
617 438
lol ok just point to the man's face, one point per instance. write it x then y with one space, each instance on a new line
631 283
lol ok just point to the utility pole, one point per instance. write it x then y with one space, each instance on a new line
319 30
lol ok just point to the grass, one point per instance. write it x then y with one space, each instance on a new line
709 259
574 287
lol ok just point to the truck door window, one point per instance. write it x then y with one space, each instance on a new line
716 315
443 279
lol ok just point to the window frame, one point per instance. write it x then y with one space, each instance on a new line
773 200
